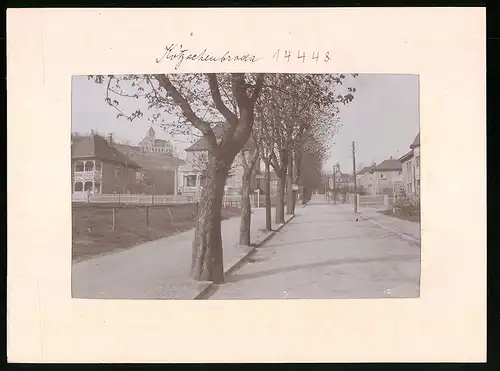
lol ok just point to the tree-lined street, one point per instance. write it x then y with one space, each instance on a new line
327 251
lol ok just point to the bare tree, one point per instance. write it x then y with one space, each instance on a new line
185 102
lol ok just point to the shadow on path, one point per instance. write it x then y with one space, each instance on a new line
394 258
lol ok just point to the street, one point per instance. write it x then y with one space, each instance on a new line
327 252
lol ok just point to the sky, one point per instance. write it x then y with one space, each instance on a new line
382 119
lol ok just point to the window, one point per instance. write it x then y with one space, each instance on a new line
408 166
89 165
400 172
79 186
117 172
138 175
418 161
97 187
79 166
88 186
190 180
98 165
408 186
382 176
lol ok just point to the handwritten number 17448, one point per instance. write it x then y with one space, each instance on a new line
288 56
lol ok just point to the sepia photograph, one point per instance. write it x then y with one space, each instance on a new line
238 186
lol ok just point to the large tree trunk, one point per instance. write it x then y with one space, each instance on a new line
268 196
246 208
280 200
289 181
207 256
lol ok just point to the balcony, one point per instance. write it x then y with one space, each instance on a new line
85 176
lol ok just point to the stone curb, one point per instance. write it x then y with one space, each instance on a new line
404 236
209 285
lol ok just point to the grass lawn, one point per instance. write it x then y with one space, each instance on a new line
410 218
93 233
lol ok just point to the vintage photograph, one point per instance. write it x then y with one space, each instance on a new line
245 186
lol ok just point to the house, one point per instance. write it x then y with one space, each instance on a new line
158 163
98 167
364 178
273 181
386 177
410 163
344 180
191 178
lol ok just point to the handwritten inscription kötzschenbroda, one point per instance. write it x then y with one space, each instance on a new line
178 54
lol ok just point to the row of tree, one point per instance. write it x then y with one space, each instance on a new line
286 120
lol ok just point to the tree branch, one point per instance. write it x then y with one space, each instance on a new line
188 112
230 117
258 87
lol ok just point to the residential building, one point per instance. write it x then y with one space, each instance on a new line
386 177
98 167
364 179
191 178
344 180
273 182
410 163
156 158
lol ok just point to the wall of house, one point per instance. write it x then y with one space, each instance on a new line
416 153
383 185
125 180
408 175
365 182
411 173
191 167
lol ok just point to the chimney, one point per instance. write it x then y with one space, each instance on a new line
110 139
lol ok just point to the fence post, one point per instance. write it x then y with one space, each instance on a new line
357 199
386 200
147 215
152 199
114 220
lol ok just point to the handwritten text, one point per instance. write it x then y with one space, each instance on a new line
178 54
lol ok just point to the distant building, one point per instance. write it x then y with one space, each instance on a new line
344 180
152 144
158 163
364 179
410 163
98 167
386 177
191 177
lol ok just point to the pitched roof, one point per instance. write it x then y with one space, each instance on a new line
97 147
416 142
406 156
150 160
389 165
202 145
365 170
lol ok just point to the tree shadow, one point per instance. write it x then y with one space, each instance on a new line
322 239
394 258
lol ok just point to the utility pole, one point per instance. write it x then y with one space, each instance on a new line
354 175
334 185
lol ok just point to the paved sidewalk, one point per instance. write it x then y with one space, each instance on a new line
158 269
325 253
401 226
